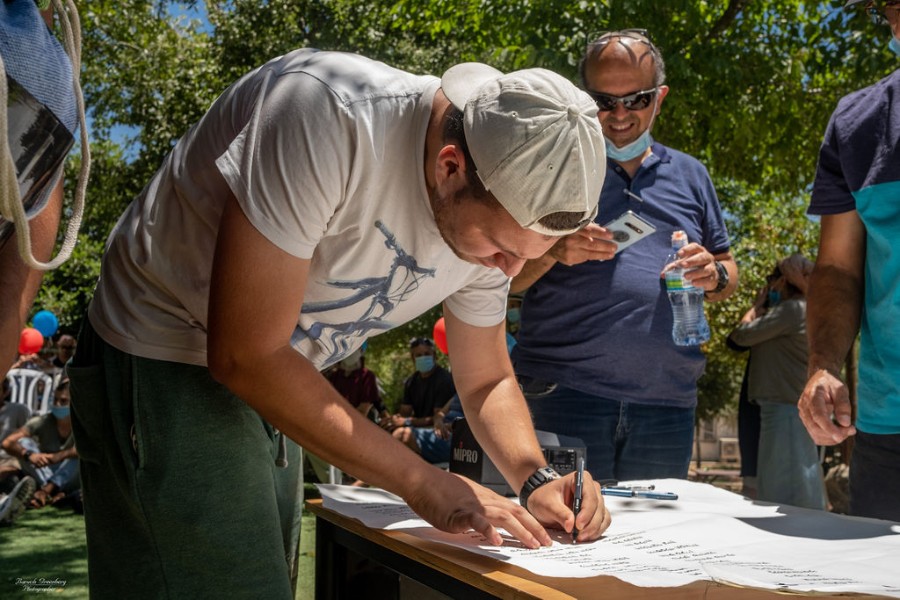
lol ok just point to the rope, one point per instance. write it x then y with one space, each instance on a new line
10 202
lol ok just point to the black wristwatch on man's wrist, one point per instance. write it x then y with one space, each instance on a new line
722 272
540 477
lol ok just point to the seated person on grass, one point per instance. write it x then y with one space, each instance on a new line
46 451
424 392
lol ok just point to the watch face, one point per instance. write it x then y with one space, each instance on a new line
545 474
550 473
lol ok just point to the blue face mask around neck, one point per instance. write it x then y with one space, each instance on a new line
774 297
424 363
513 315
894 45
629 151
60 412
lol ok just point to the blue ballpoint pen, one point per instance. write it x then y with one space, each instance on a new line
622 492
629 493
579 485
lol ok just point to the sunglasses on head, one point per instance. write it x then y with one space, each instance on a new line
600 38
636 101
420 341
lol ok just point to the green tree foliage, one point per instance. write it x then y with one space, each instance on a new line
765 226
752 85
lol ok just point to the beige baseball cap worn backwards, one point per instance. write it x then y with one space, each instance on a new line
535 140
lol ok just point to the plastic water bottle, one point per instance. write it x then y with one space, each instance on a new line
689 326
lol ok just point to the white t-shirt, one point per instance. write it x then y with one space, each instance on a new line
324 152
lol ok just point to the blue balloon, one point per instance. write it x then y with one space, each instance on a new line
45 322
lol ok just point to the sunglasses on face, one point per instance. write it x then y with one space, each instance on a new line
636 101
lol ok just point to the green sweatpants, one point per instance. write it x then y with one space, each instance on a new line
182 494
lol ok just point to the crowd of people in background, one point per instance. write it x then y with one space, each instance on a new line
38 458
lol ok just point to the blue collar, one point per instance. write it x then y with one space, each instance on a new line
660 155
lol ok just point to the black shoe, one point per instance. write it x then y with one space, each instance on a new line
8 484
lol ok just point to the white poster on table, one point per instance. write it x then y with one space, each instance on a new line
707 534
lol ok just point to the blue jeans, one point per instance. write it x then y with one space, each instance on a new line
64 475
431 447
875 476
788 471
624 440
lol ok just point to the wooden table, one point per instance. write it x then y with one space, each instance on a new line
466 575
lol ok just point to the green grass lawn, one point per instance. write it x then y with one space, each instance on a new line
44 548
48 547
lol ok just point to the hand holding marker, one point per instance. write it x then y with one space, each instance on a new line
579 488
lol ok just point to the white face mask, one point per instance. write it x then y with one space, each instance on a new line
635 148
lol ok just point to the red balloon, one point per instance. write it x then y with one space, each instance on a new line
31 341
440 336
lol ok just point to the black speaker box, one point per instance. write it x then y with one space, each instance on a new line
468 459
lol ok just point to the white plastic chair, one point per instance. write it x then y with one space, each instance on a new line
335 475
32 388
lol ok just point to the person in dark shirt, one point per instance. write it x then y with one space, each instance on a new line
358 385
594 354
854 285
424 392
65 348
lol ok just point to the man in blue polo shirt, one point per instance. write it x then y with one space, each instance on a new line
855 286
595 354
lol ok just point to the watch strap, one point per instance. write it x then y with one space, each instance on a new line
722 283
540 477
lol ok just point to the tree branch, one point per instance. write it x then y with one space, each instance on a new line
727 18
